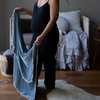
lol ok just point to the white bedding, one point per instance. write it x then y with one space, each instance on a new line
72 51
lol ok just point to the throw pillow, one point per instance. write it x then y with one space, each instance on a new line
62 24
73 18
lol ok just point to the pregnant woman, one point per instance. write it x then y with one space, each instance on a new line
44 28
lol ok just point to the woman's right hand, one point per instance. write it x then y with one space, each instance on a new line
20 9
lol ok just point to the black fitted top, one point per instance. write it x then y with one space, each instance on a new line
40 18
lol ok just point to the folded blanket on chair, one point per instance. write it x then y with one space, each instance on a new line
72 50
25 61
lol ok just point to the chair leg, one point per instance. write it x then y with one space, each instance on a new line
95 52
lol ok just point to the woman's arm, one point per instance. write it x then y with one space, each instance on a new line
26 11
54 10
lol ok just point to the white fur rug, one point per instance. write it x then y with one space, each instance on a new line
65 91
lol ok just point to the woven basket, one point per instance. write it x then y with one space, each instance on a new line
3 64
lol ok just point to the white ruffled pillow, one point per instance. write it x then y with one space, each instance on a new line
73 18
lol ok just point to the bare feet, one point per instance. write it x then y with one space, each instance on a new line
47 91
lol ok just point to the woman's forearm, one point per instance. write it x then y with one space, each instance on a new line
27 11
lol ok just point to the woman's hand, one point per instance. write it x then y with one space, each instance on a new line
38 40
24 10
20 9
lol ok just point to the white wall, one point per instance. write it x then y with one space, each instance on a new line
89 8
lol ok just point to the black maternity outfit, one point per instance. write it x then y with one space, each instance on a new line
48 47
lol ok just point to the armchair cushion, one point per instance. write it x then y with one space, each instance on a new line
27 38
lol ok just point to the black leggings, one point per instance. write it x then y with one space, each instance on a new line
49 65
46 55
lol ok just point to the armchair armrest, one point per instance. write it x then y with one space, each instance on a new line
85 25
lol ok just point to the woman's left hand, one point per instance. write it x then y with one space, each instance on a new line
38 40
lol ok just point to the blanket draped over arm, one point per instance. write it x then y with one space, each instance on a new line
25 61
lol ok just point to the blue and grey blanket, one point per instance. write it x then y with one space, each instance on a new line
25 61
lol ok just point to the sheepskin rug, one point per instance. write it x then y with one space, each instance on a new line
65 91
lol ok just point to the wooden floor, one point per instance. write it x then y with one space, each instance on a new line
89 80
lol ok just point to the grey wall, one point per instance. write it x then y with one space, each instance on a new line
2 32
89 8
